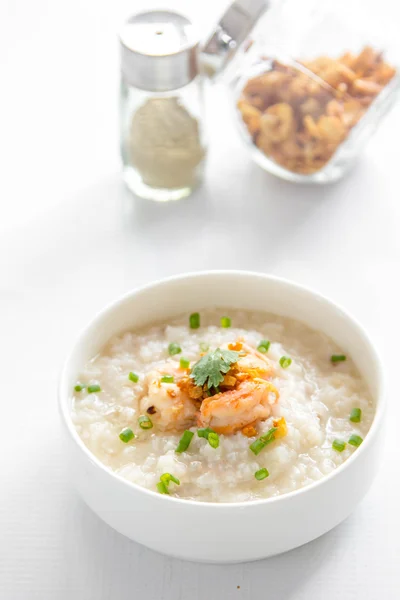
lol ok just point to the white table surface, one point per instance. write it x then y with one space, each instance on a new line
72 239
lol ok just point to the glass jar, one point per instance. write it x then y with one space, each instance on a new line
313 85
161 106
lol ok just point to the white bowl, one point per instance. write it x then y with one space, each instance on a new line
225 532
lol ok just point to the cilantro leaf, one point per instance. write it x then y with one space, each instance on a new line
211 367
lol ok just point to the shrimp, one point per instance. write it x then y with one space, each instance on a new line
169 406
245 398
231 411
251 362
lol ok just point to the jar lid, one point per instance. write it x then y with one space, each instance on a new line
158 50
229 34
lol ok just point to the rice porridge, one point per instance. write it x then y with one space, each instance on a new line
222 408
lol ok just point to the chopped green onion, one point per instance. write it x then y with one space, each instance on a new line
225 322
79 387
133 377
162 488
261 474
210 435
126 435
355 440
263 346
204 432
257 446
263 441
167 379
194 321
338 358
184 442
92 389
285 362
204 347
338 445
167 477
270 435
164 482
184 363
355 415
145 422
213 439
174 349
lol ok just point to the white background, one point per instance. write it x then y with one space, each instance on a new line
72 239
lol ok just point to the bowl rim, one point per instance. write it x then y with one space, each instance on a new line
63 392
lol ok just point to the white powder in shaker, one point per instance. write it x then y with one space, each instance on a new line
165 144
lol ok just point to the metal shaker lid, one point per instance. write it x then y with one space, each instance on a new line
231 31
158 51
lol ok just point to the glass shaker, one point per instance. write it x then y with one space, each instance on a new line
161 106
311 85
